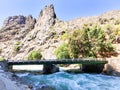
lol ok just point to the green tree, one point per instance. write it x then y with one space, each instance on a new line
34 55
62 52
89 42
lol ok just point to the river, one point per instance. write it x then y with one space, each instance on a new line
69 81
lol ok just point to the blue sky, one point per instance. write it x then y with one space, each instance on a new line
65 9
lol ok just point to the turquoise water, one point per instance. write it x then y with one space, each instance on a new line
67 81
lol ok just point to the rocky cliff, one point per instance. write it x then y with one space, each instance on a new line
21 34
16 27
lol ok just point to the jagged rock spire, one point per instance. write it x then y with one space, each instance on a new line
46 17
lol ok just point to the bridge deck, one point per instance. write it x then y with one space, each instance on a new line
55 61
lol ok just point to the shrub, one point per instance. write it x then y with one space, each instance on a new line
89 42
117 22
16 48
64 36
62 52
2 59
17 43
34 55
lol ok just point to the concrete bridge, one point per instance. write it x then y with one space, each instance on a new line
49 66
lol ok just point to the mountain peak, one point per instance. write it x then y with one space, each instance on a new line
47 16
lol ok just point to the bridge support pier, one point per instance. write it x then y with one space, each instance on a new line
97 68
10 68
50 68
4 65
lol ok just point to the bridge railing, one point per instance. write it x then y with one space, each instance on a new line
56 61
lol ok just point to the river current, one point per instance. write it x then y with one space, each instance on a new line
67 81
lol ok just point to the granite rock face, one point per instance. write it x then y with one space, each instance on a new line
20 21
29 33
47 17
113 67
15 26
14 20
30 22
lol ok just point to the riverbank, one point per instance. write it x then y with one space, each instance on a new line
6 82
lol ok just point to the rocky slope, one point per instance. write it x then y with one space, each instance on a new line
21 34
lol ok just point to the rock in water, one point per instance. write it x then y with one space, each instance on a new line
45 88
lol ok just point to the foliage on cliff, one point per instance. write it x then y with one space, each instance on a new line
34 55
62 52
88 42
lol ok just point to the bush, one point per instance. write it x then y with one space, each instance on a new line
62 52
16 48
34 55
64 36
117 22
2 59
17 43
89 42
